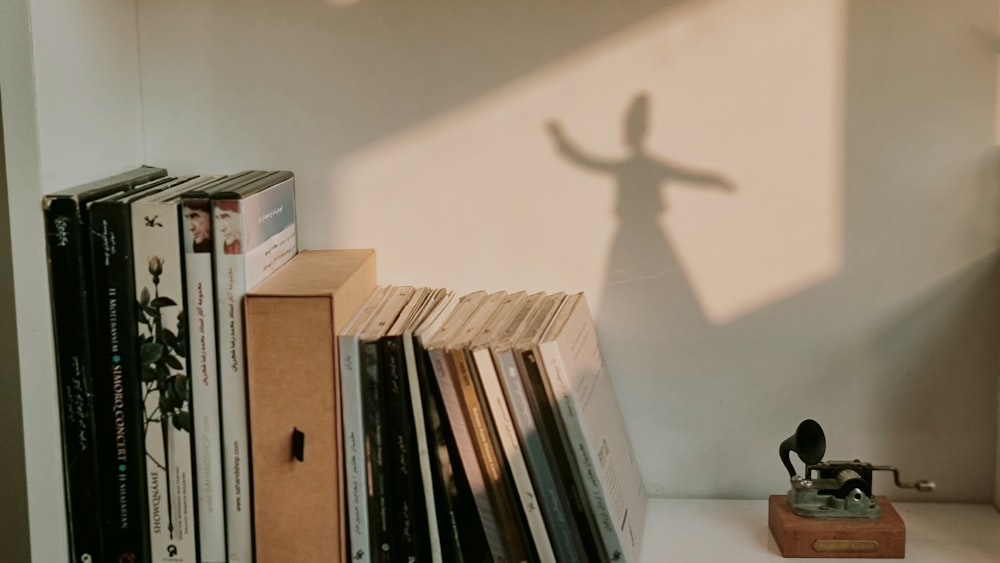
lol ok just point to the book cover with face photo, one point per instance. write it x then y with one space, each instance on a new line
195 215
253 234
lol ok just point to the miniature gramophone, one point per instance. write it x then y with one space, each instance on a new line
830 510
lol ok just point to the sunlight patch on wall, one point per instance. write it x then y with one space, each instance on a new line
776 106
707 141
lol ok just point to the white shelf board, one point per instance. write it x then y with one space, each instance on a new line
720 531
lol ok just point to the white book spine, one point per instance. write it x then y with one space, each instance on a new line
252 238
510 443
267 258
582 456
167 423
355 466
205 403
230 290
595 428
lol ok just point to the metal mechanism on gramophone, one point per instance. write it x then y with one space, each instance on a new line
840 489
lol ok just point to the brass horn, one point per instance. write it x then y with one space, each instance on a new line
808 442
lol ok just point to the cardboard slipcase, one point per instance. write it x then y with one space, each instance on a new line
292 322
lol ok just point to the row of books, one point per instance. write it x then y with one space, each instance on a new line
192 337
483 428
148 272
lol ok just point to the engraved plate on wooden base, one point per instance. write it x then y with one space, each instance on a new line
882 538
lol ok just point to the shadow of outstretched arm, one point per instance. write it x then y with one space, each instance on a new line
688 176
575 154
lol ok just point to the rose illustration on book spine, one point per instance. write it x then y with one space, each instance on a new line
163 352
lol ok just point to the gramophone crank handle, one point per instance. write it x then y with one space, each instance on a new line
924 486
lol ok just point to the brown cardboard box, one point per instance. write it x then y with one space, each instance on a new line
293 383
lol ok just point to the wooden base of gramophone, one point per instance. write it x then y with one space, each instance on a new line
883 538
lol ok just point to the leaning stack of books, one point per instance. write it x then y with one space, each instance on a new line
148 272
483 428
227 398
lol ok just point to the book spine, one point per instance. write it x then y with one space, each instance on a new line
251 238
162 330
580 378
68 248
410 516
230 290
576 440
118 386
495 467
355 464
552 437
420 433
500 414
461 432
203 364
553 499
376 451
267 224
460 530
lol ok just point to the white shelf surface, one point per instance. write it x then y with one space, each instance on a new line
721 531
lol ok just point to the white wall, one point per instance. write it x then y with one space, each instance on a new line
849 275
69 84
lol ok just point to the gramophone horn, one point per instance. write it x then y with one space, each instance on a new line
808 441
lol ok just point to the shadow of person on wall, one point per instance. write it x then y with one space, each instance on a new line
647 300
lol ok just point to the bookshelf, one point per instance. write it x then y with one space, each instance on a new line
735 531
850 275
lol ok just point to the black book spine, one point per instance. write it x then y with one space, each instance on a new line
499 482
551 489
118 386
376 452
68 248
410 517
459 526
550 434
